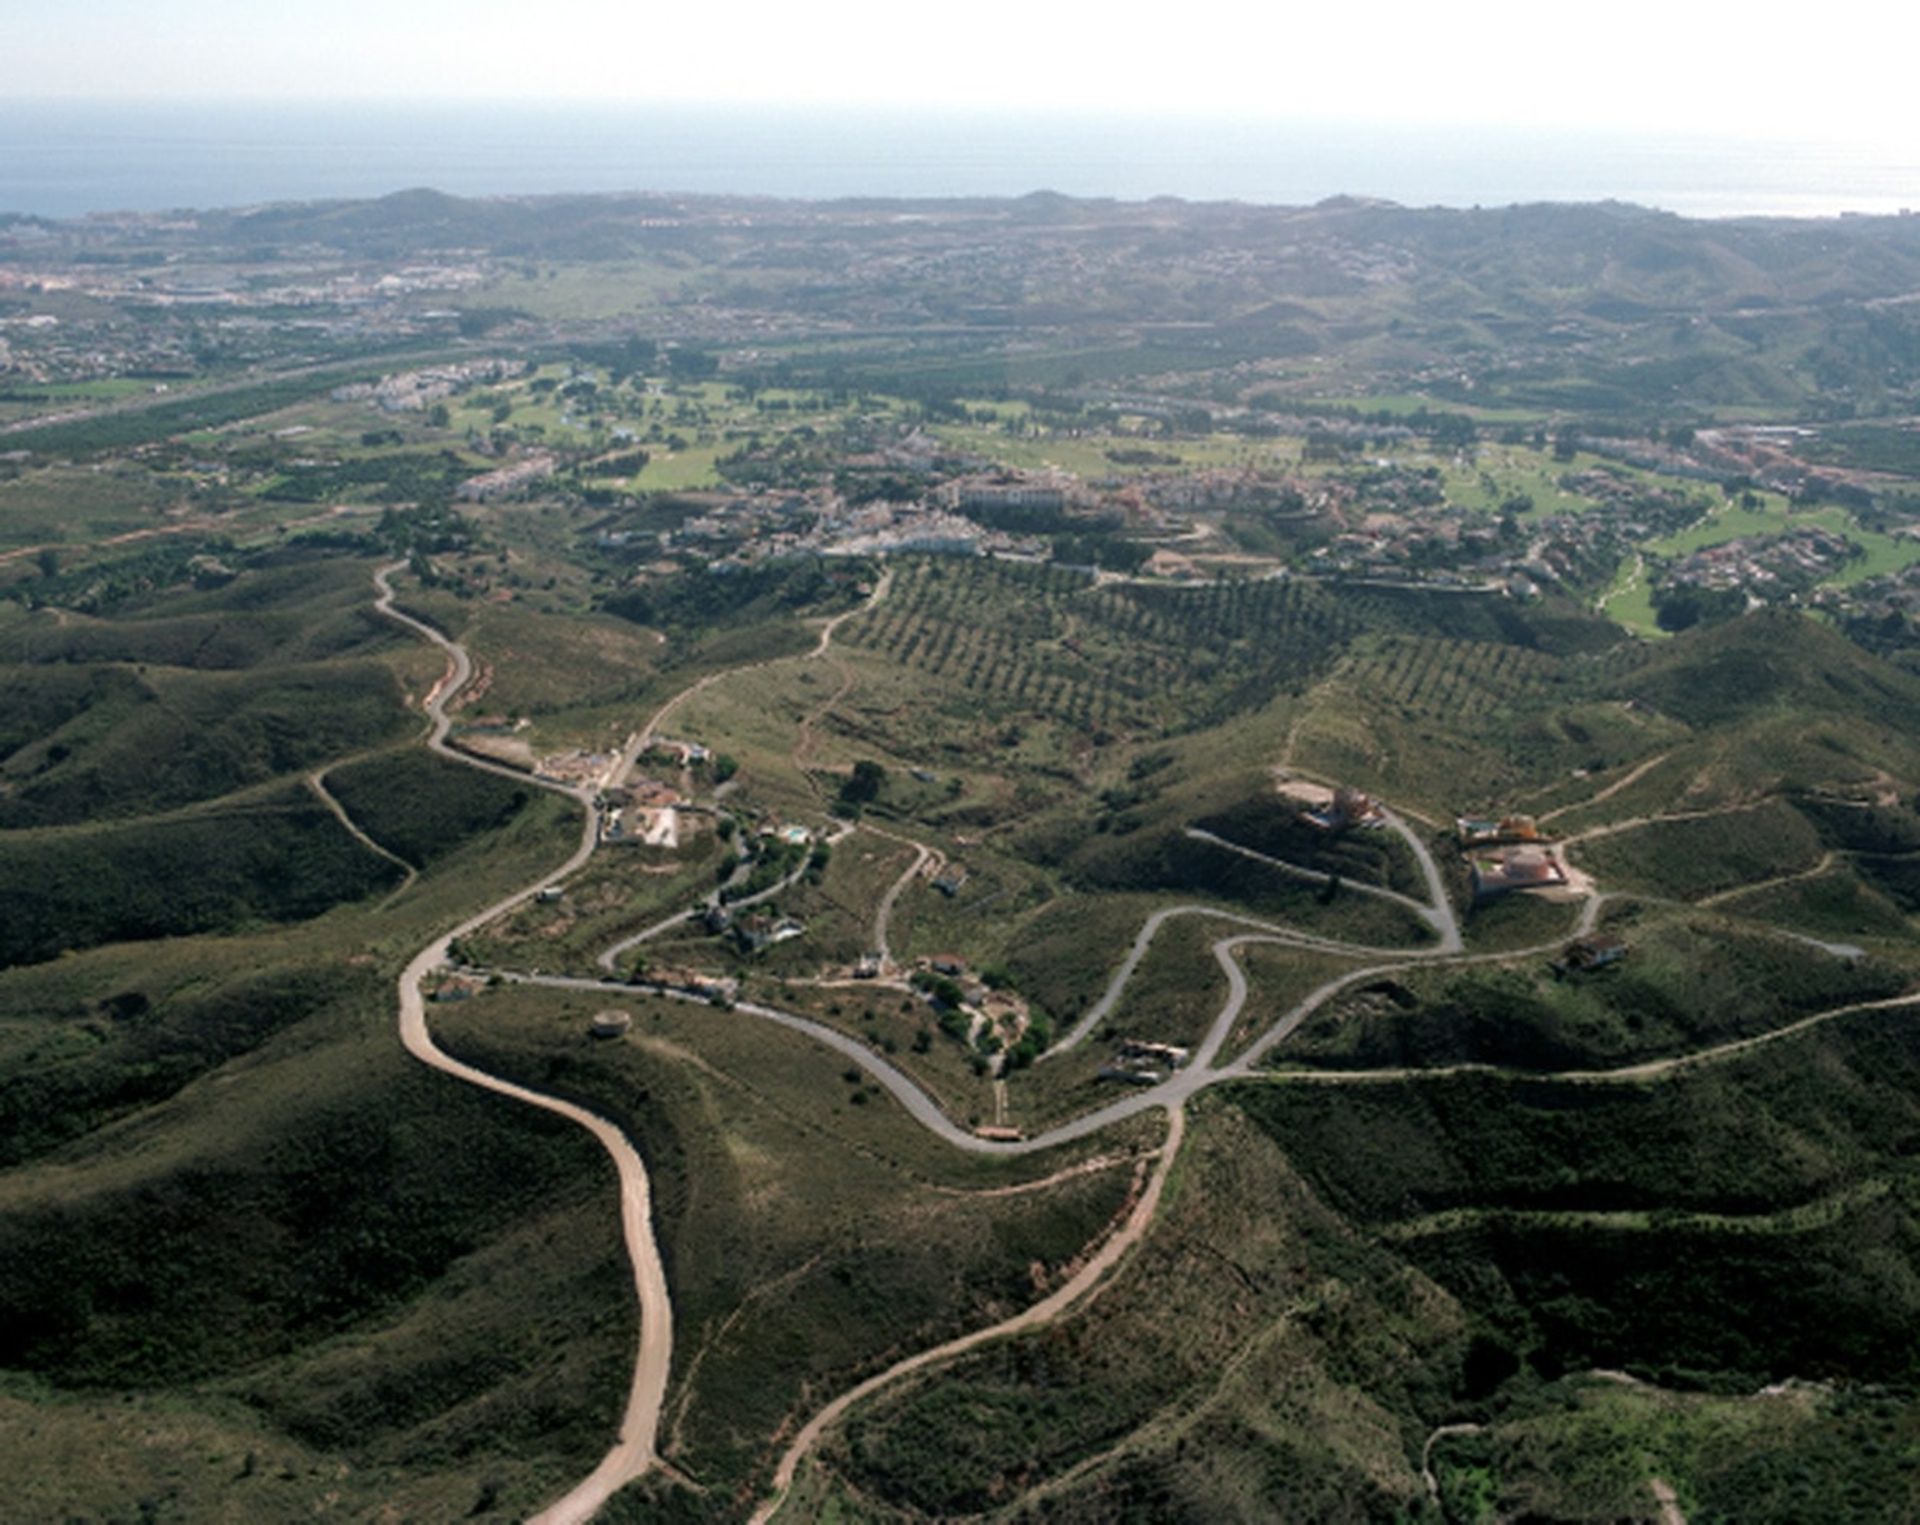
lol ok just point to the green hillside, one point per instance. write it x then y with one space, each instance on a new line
1105 801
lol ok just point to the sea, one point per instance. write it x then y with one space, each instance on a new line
72 158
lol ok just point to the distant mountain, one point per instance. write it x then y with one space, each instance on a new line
1602 308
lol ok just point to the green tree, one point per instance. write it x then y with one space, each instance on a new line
863 787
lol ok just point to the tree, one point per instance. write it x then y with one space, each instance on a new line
691 364
1681 608
863 787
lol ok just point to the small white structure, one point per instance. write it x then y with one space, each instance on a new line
610 1024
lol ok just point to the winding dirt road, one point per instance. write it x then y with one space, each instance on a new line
633 1450
317 783
923 855
647 734
1626 781
1069 1293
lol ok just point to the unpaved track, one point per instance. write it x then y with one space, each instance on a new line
1668 818
1668 1502
1627 781
651 730
633 1451
1426 1454
804 737
1436 912
1631 1074
1045 1311
883 917
317 782
1826 862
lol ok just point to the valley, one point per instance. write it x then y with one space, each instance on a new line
679 904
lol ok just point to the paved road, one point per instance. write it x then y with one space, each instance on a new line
634 1451
1143 942
1443 918
1169 1094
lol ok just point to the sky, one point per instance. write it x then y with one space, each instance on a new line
1839 71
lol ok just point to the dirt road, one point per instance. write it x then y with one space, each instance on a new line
1049 1308
633 1451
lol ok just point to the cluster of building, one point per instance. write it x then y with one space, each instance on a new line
577 767
45 348
154 318
416 391
507 481
1880 612
1766 567
1138 1061
1396 524
642 812
1623 512
768 525
996 1018
1506 853
883 529
1347 807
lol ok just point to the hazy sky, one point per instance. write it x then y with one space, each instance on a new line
1836 70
